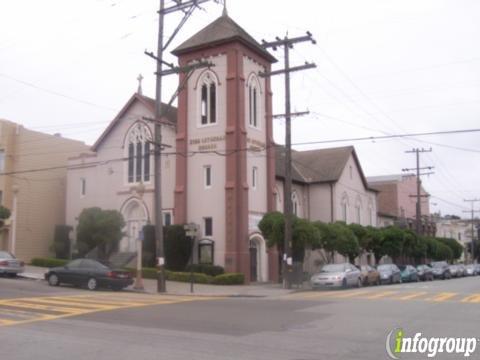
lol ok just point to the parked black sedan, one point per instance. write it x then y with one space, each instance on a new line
90 273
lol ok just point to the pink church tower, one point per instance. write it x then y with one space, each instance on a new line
225 167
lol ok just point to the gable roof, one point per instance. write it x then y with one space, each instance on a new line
221 31
148 102
318 166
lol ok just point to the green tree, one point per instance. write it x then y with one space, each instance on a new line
346 242
101 229
375 236
327 239
272 227
392 243
304 233
454 245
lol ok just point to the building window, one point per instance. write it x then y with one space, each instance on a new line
295 204
344 211
208 226
207 174
167 218
2 160
357 210
139 143
253 109
208 100
254 177
83 186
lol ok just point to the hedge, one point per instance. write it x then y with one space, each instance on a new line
48 262
198 278
228 279
212 270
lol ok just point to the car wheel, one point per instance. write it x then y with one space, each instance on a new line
359 283
53 280
92 284
344 283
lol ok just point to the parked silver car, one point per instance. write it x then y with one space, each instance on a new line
470 269
10 265
337 275
389 273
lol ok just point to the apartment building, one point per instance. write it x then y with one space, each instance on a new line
33 168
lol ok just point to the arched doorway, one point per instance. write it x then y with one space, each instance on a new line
135 215
258 259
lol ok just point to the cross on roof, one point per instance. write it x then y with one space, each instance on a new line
139 78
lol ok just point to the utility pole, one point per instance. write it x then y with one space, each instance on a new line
187 7
473 211
418 212
287 188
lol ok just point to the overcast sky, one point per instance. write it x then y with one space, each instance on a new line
383 67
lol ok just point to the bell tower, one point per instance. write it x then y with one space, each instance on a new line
225 163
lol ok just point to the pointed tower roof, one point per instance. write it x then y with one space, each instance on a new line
222 30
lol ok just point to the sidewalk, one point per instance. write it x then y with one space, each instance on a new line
180 288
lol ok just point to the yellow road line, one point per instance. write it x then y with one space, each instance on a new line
33 306
381 294
69 302
413 295
21 303
474 298
353 294
444 296
94 301
315 294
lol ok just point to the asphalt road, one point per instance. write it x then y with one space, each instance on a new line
43 323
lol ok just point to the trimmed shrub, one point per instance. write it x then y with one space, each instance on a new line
48 262
185 277
61 241
149 246
229 279
208 269
177 248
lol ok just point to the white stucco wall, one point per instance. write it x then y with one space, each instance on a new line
107 185
208 202
353 190
256 139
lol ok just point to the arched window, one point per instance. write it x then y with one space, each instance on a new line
208 100
345 207
138 146
295 204
253 102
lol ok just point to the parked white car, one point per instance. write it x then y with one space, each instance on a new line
337 275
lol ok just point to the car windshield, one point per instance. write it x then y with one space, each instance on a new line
385 267
438 264
333 268
6 255
402 267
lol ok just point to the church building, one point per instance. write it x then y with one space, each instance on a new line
218 170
